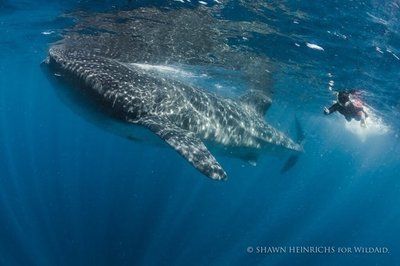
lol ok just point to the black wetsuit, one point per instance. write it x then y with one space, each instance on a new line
349 111
347 108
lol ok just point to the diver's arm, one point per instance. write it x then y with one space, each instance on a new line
331 109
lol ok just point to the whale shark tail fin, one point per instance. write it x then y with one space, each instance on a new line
186 144
289 163
299 131
258 100
292 160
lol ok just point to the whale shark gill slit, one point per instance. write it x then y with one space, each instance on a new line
258 100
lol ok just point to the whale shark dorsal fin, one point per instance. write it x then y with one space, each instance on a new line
186 144
258 100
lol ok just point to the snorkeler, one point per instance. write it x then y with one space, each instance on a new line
348 107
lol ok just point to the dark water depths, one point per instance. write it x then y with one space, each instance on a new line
74 194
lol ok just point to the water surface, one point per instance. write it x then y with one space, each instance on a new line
74 194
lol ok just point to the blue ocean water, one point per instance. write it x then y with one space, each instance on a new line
74 194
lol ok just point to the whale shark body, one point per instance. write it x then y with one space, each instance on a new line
189 119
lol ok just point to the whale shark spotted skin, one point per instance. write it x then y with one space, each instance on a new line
184 116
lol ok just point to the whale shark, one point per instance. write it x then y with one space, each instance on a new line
187 118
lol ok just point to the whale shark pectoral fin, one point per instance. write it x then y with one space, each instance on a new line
187 144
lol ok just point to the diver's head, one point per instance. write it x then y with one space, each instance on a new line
343 97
